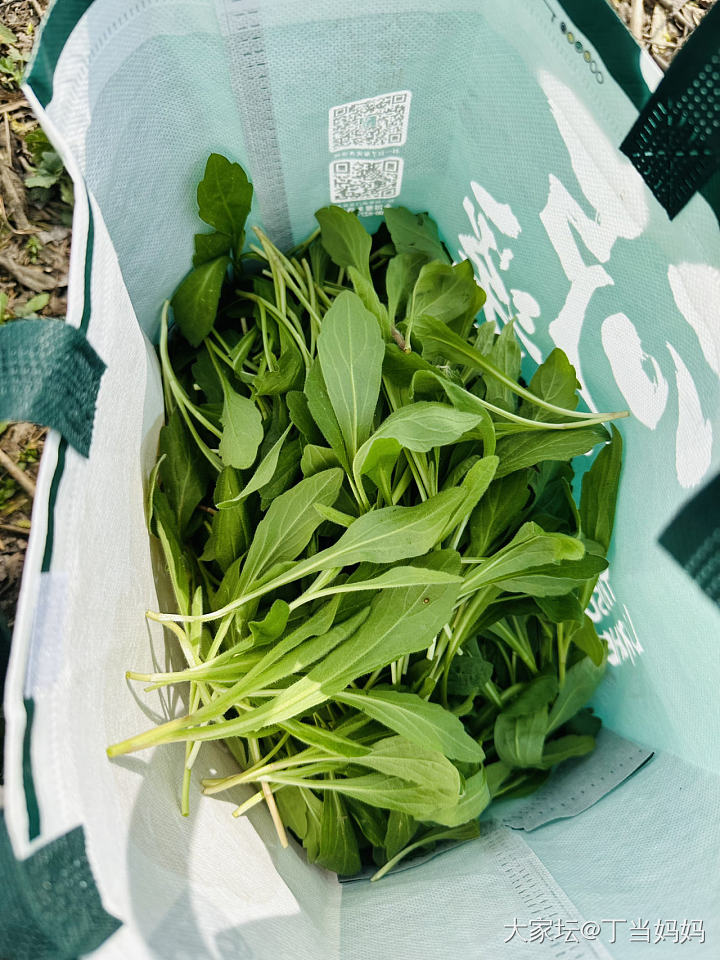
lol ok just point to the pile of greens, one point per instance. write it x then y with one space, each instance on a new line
368 520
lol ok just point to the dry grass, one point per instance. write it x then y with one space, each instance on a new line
662 26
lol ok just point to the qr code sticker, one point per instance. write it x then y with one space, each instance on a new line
370 124
365 179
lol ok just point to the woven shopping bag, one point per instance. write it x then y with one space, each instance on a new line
586 195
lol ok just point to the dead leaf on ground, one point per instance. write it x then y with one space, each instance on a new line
53 234
13 192
32 277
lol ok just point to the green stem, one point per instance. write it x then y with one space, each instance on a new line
178 392
304 245
373 678
493 694
563 643
315 321
256 771
263 330
465 621
182 400
402 485
190 755
509 692
589 420
475 358
290 274
315 593
502 630
322 295
282 317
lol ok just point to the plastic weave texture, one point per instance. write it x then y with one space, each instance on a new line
675 143
51 906
49 374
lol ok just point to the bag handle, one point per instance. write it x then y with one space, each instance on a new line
50 374
675 142
692 539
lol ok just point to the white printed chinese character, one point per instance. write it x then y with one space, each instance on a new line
515 928
489 258
666 930
567 930
613 925
692 930
640 931
540 930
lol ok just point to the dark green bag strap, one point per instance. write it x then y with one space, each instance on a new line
675 142
49 374
693 539
51 906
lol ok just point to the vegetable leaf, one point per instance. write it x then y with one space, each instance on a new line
401 828
448 293
506 356
351 351
427 724
392 533
183 472
210 246
224 197
286 528
338 844
228 536
345 238
565 748
505 499
242 430
402 273
262 475
527 449
519 740
599 492
468 674
554 380
272 625
415 233
581 681
321 410
195 302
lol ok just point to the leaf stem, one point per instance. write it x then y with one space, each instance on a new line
171 379
465 620
269 799
283 318
563 643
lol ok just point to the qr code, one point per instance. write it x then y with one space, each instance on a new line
365 179
370 124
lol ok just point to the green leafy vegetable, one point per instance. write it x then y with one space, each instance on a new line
599 492
417 720
224 197
379 569
350 348
345 238
195 301
519 739
182 471
415 233
242 430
